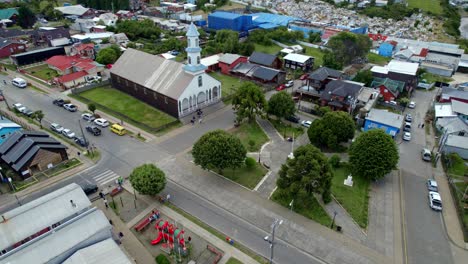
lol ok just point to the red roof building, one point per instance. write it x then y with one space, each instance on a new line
377 37
72 76
84 50
70 64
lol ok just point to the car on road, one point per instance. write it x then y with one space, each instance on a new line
27 112
118 129
407 136
426 154
407 127
293 118
412 105
432 185
56 127
88 117
306 123
281 87
58 102
94 130
81 141
89 188
304 76
435 202
19 107
408 118
70 107
289 83
101 122
68 133
19 82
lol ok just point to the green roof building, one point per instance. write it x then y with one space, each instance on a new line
8 13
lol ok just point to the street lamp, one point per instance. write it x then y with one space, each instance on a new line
333 221
11 184
275 224
291 204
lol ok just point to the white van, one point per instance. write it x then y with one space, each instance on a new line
18 82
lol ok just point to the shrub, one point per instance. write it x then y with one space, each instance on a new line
326 196
66 101
334 161
162 259
250 162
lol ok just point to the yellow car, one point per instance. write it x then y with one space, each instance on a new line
118 129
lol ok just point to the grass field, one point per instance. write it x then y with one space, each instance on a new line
233 261
354 199
250 131
317 54
377 59
426 5
42 72
431 78
286 129
128 105
229 84
273 49
248 177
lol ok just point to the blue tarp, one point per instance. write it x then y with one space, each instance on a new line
268 26
280 20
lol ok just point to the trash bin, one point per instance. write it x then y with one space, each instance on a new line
338 228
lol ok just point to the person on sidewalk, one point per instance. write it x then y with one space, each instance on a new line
101 195
168 197
106 204
121 235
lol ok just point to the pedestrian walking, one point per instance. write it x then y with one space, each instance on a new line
121 235
419 125
192 122
4 82
111 223
105 203
422 126
101 195
200 120
168 196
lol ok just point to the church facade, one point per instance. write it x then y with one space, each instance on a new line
172 87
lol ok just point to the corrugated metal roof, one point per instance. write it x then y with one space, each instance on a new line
77 10
297 57
324 72
385 117
264 73
457 141
211 60
452 124
443 110
106 251
229 58
262 58
460 107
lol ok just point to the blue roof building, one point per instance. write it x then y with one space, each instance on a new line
386 49
279 20
227 20
389 122
7 127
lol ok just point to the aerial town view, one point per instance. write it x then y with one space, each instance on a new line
234 131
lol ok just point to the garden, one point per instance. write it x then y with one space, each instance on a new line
251 136
229 84
42 72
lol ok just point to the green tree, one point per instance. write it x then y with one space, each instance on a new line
218 150
364 77
281 105
26 17
332 129
92 107
347 46
148 179
108 55
248 101
38 115
308 172
373 154
330 61
315 37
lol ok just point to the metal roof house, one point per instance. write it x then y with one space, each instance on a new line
390 122
7 127
456 144
265 59
27 152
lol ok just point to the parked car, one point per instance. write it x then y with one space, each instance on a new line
58 102
289 83
101 122
93 79
435 202
175 53
407 127
81 141
408 118
70 107
407 136
19 82
94 130
411 105
293 118
56 127
432 185
19 107
281 87
306 123
426 154
27 112
118 129
89 188
304 76
68 133
88 117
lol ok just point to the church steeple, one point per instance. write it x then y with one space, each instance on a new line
193 50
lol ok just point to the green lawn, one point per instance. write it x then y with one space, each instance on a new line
272 49
229 84
306 206
250 131
233 261
128 105
42 72
377 59
245 176
426 5
431 78
317 54
286 129
354 199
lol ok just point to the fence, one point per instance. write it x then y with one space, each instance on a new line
89 86
16 119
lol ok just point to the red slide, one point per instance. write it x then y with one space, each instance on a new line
158 239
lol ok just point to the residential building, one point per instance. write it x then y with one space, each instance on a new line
9 47
456 144
85 51
170 86
463 64
453 125
460 109
34 56
7 127
319 78
14 34
9 14
70 64
449 94
119 39
298 62
108 19
266 60
341 95
84 25
76 11
443 110
228 61
389 89
390 122
95 37
44 35
386 49
28 152
399 71
443 65
211 62
259 73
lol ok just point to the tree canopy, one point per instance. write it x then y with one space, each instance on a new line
148 179
248 101
332 129
108 55
227 41
394 11
315 37
347 46
281 34
373 154
26 17
218 150
105 4
308 172
138 29
330 61
281 105
364 77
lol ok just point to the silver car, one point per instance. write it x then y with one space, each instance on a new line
432 185
435 202
68 133
56 127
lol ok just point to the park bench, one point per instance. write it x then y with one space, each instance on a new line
116 191
219 255
145 222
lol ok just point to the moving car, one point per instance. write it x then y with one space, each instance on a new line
19 82
56 127
94 130
88 117
426 154
407 136
293 118
70 107
81 141
101 122
118 129
289 83
434 201
281 87
432 185
58 102
92 79
89 188
411 105
408 118
68 133
306 123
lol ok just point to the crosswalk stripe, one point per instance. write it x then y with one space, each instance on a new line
103 175
103 182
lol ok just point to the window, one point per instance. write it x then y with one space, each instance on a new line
198 59
49 37
189 60
196 42
165 100
144 91
155 95
200 81
126 83
118 79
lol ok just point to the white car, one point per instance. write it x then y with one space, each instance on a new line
88 117
432 185
68 133
434 201
70 107
56 127
289 84
19 107
412 105
407 136
19 82
101 122
306 123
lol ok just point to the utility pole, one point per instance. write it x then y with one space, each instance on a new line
81 128
275 224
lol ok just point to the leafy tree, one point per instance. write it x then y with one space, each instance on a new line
38 115
332 129
373 154
148 179
281 105
26 17
308 172
330 61
108 55
248 101
315 37
92 107
218 149
364 77
334 161
348 46
138 29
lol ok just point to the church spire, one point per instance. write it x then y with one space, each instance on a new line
193 50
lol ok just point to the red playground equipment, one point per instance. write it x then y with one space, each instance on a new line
168 234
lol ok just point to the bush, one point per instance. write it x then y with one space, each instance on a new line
66 101
162 259
326 196
334 161
250 162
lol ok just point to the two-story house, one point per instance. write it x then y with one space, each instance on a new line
388 88
399 71
84 50
267 60
319 78
341 95
44 35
